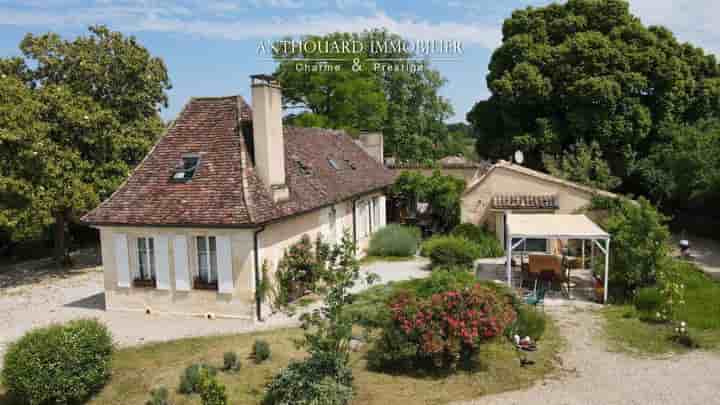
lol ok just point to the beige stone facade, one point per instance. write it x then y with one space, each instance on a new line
506 178
170 297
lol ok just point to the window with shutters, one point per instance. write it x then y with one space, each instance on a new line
145 276
207 263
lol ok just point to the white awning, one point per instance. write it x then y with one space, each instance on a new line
552 226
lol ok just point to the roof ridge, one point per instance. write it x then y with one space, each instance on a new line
217 97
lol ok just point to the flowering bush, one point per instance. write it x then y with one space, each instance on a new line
449 326
299 268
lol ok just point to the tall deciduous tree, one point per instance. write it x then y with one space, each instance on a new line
77 116
588 70
404 105
584 164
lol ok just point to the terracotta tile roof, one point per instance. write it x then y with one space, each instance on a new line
525 201
225 190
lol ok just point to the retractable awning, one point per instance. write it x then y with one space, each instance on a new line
519 227
551 226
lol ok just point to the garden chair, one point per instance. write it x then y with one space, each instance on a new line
537 297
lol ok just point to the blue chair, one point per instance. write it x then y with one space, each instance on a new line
537 297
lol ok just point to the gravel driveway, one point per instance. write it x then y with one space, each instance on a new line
45 297
590 375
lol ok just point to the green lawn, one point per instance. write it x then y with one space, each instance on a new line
701 312
137 370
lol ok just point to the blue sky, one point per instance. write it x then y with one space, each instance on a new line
210 46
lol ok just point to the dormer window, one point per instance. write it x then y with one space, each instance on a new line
186 167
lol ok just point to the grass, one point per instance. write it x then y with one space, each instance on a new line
138 370
627 332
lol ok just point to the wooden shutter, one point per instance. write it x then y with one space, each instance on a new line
224 263
162 263
122 260
182 269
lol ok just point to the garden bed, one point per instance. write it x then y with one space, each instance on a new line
138 370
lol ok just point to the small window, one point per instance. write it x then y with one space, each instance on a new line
304 169
531 245
349 164
186 168
207 262
145 276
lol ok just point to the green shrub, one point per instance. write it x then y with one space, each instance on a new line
158 396
395 240
639 243
530 322
320 379
59 364
231 362
211 391
192 377
453 251
260 351
487 243
649 300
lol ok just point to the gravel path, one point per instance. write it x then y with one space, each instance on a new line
59 297
590 375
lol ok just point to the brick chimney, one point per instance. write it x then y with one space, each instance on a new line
268 141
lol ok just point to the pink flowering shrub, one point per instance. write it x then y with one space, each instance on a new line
450 326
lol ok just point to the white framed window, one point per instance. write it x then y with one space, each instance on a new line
207 259
363 219
146 258
377 220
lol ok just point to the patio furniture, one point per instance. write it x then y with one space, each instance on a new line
537 297
521 227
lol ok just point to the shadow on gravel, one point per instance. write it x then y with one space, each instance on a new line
96 302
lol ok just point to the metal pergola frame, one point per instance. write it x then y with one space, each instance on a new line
522 236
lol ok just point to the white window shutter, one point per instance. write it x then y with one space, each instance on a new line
182 271
162 263
224 262
122 260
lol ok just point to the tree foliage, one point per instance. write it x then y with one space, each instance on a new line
640 242
441 192
76 117
583 164
686 166
404 106
588 70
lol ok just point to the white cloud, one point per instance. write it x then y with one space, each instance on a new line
694 21
176 19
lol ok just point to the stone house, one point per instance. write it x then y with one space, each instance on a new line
227 188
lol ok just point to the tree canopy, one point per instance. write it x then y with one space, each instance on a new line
76 116
404 105
583 164
588 70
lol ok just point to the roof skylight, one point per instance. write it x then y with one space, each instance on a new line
186 168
